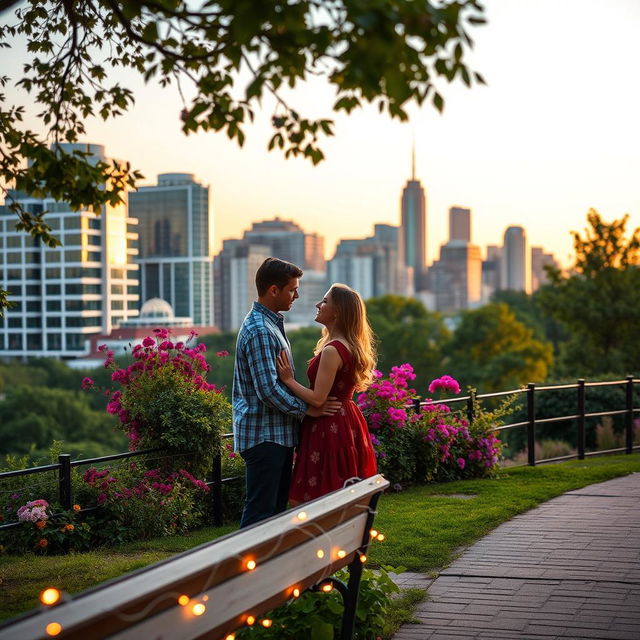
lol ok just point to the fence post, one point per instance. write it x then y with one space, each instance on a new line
416 405
64 480
531 426
581 406
216 494
470 406
629 421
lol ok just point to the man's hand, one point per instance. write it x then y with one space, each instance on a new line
331 406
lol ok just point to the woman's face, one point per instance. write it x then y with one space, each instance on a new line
326 314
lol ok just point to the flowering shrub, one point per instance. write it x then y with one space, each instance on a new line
434 443
165 400
43 530
140 504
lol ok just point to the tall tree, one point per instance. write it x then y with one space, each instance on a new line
599 302
492 351
387 52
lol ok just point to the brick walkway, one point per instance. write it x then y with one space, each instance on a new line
568 569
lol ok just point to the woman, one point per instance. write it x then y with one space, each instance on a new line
335 448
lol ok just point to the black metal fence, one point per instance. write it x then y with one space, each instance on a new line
532 390
65 464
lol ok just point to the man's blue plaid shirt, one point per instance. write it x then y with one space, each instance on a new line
264 410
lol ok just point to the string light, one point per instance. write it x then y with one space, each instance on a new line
380 537
250 620
373 533
296 593
320 553
50 596
266 623
327 587
302 515
363 558
53 628
205 598
198 609
231 636
183 600
341 553
251 565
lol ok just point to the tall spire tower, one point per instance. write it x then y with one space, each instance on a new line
413 226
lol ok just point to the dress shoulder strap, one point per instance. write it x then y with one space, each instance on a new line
344 352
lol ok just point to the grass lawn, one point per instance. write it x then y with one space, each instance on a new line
425 528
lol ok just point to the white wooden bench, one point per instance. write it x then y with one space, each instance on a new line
216 588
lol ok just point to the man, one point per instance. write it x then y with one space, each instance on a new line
266 416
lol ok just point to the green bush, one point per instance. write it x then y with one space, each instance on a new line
318 615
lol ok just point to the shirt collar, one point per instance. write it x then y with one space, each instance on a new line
278 318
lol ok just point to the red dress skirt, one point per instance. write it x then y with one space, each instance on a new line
333 449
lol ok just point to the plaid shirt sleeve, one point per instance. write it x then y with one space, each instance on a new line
261 358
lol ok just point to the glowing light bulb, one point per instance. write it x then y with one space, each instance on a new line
231 636
302 515
380 537
50 596
296 593
198 609
363 558
320 553
250 620
183 600
266 622
205 598
373 533
327 587
341 553
251 565
53 628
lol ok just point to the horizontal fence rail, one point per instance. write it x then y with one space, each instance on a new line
531 391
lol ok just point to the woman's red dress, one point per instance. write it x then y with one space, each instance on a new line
334 448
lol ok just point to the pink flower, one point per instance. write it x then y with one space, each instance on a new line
444 383
148 342
87 383
222 354
461 462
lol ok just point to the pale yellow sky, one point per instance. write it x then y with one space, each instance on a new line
555 132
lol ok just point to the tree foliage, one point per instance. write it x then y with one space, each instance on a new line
224 57
407 332
598 304
492 351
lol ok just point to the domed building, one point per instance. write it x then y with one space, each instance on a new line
155 313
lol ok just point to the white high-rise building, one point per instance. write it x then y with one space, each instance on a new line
516 261
64 295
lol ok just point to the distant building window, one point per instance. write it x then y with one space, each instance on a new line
53 289
53 273
54 341
34 323
15 341
14 274
73 255
14 323
53 305
14 242
33 289
53 255
34 342
75 341
73 240
54 321
33 305
14 257
32 274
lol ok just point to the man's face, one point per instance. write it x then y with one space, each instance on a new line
283 298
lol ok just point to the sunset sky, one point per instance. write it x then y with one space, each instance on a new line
555 132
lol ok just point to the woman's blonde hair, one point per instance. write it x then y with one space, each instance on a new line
351 319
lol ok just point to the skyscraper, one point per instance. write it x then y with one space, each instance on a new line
176 238
460 224
540 259
64 295
413 231
516 261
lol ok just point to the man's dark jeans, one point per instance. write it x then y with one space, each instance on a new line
268 477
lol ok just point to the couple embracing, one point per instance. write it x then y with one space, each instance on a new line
273 414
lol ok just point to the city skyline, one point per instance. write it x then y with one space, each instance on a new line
553 134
